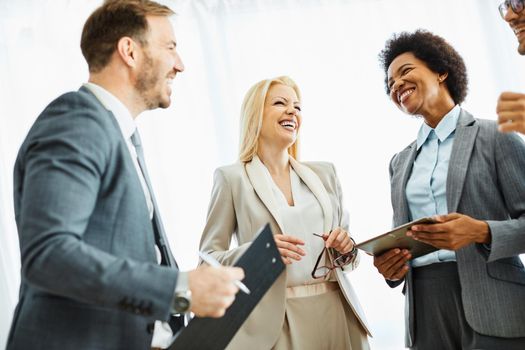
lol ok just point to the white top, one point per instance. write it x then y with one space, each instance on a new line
301 220
162 334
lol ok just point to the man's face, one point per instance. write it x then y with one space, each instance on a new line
516 22
160 63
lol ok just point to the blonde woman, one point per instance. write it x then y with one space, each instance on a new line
306 308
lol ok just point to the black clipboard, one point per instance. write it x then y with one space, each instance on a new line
262 265
397 238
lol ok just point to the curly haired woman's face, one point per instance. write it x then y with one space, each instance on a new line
414 88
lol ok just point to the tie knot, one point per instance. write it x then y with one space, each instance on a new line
135 139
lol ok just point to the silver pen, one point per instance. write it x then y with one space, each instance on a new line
214 263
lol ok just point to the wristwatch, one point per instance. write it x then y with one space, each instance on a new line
182 297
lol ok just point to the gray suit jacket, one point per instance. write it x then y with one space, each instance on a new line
89 274
485 180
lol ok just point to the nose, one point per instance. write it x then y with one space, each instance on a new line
396 86
291 109
510 15
178 66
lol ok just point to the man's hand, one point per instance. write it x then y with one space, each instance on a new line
393 264
338 239
452 231
288 247
212 289
511 112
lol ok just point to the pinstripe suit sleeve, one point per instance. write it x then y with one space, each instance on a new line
508 237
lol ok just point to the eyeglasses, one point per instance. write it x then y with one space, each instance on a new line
324 270
516 6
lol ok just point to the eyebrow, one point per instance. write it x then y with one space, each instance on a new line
399 69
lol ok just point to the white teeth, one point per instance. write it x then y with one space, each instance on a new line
288 124
405 94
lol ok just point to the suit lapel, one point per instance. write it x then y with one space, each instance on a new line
258 175
401 173
316 186
464 140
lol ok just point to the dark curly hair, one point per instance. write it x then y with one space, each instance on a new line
439 56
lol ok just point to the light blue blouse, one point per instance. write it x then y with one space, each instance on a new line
426 187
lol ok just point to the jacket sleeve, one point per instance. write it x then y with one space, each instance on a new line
221 223
344 218
508 236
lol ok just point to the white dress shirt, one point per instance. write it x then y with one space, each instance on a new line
162 334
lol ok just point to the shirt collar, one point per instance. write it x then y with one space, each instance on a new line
124 119
443 130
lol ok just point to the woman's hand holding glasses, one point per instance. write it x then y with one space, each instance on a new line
338 239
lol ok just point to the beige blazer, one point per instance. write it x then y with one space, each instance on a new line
241 202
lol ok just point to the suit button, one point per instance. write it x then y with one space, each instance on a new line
150 327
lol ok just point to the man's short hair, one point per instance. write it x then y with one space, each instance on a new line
112 21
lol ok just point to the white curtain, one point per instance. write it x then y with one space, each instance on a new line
329 47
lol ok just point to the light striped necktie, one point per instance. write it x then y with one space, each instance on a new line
158 228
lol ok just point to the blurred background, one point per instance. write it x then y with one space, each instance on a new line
328 47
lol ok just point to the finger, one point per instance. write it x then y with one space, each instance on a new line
290 254
510 116
509 95
510 127
286 260
440 244
394 269
290 246
347 247
517 105
290 239
428 228
385 257
389 259
234 273
340 239
331 236
400 273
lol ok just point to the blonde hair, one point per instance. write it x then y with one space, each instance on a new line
252 117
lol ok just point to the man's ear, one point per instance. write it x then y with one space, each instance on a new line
127 51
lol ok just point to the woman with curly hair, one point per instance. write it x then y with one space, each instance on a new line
470 293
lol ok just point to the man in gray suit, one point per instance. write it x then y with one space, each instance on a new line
86 214
511 105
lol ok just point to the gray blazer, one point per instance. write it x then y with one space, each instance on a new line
89 274
485 180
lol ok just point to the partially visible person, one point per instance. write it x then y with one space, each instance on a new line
511 105
306 308
470 294
87 219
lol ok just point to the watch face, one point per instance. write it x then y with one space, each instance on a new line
181 304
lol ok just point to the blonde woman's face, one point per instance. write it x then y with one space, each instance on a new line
281 116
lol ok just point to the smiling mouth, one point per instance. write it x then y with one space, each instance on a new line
405 95
288 125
